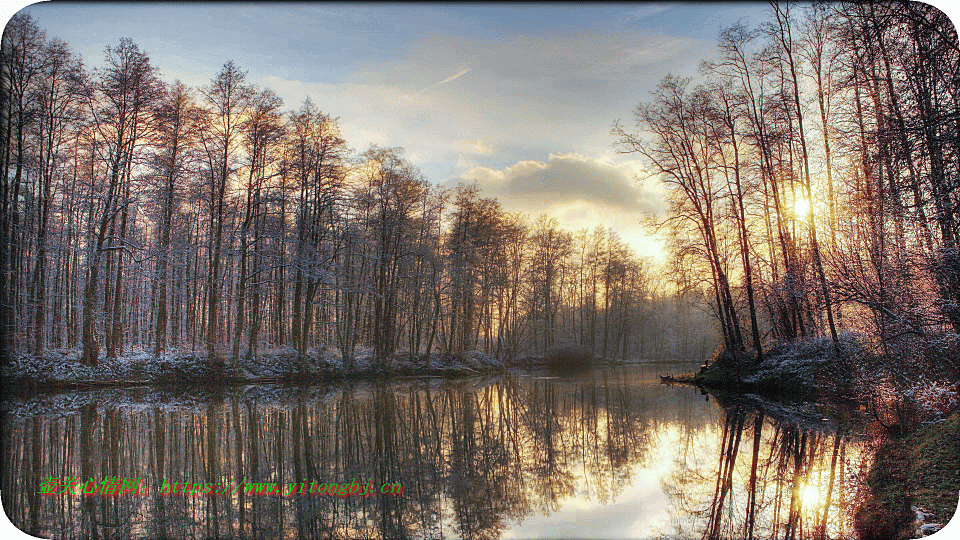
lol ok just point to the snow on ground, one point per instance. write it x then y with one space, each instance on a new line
140 366
802 361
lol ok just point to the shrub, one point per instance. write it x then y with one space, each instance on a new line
569 356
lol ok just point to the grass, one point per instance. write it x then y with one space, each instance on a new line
935 476
920 469
806 370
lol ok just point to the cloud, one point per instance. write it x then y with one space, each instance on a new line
445 81
524 95
454 77
568 178
580 191
646 11
475 147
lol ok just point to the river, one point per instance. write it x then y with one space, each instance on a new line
610 453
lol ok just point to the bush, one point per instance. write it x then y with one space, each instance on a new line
569 356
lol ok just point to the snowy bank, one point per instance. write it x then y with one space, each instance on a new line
806 370
62 368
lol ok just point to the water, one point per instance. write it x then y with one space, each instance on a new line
606 454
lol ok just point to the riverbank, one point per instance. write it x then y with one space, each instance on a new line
803 370
913 409
62 370
913 483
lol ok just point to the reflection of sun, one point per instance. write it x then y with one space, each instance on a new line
810 496
801 208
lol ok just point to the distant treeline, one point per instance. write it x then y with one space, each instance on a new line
137 213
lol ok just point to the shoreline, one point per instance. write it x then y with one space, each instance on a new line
61 370
58 372
913 485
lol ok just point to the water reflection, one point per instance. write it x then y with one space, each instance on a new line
772 477
610 453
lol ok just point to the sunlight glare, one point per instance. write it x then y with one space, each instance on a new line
811 497
801 208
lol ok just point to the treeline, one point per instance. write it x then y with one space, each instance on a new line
813 176
138 214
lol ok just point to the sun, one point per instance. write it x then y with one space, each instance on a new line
801 208
810 497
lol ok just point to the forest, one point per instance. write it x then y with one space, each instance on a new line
810 175
147 217
813 180
812 189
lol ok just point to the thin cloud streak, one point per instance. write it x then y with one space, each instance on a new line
445 81
457 76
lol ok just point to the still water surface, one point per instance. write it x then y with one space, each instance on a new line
606 454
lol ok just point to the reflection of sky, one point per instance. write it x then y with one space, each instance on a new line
638 512
643 510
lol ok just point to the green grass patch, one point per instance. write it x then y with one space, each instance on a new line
936 467
920 469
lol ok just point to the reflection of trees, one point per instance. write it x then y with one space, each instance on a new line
778 482
730 446
472 457
547 452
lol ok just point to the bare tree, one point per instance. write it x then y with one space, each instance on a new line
118 103
227 101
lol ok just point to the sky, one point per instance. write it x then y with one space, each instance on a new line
519 98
